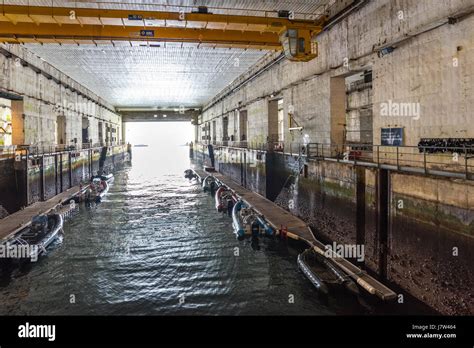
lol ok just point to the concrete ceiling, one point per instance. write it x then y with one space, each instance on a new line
141 76
166 74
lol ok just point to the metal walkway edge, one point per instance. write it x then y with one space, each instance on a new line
299 230
21 219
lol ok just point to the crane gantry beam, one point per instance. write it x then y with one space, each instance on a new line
42 24
84 16
74 34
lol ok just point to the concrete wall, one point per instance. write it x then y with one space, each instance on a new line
428 217
44 100
423 71
21 184
9 198
245 167
431 240
341 202
420 71
48 96
430 225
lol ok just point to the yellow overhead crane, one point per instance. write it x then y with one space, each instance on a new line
25 24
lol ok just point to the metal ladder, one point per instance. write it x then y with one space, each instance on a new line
297 168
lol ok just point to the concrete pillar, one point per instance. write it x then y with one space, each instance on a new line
61 185
56 189
21 173
383 211
42 180
18 132
124 132
360 198
69 165
338 109
273 120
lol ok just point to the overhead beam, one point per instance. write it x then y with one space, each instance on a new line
40 24
159 116
88 16
71 33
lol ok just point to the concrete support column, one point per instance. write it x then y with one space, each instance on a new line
61 186
273 121
242 168
360 197
383 211
18 120
70 168
124 132
89 155
21 172
338 109
42 181
27 179
56 191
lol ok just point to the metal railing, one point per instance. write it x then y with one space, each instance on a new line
9 151
291 148
456 162
229 143
296 169
444 161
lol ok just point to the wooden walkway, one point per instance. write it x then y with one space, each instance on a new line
21 219
299 230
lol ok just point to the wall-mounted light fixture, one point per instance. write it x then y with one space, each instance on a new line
386 50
